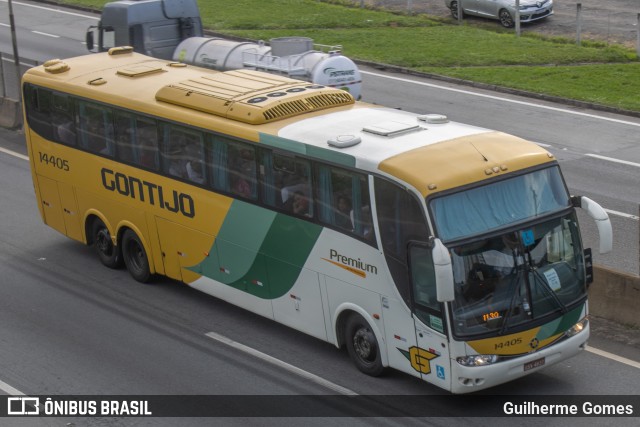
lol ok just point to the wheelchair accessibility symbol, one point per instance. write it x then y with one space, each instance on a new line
440 372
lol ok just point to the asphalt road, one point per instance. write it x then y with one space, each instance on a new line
70 326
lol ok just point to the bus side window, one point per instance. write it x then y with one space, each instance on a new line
268 178
217 162
242 170
295 185
146 141
136 140
182 153
38 108
125 134
95 128
63 119
343 200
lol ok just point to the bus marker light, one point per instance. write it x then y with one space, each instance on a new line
376 316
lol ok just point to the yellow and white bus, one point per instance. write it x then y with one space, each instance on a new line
446 251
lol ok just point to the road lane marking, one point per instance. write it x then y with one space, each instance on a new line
10 390
14 154
52 10
622 214
284 365
611 159
614 357
45 34
499 98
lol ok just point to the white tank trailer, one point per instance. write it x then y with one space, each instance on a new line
169 29
295 57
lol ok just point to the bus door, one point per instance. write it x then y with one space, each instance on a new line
400 335
431 355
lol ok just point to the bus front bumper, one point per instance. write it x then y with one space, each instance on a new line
468 379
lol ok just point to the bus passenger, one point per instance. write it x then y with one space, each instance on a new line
240 186
194 171
343 217
300 205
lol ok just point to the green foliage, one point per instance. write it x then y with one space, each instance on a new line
616 85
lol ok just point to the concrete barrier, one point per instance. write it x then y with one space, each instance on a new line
615 296
10 113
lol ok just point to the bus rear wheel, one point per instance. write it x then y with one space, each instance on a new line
108 253
135 257
363 346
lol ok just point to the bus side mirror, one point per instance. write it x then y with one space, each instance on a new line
601 218
443 272
89 38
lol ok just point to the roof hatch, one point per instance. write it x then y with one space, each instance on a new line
391 128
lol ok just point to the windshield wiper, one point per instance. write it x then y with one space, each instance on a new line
545 286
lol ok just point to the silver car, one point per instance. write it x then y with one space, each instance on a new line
503 10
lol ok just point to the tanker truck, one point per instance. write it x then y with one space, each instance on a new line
172 30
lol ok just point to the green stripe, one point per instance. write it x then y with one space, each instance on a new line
561 324
259 251
283 143
319 153
287 248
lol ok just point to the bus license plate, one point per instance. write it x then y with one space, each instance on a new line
534 364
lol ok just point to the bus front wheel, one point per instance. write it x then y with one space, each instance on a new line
363 346
108 253
135 257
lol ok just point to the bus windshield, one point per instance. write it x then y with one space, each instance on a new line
514 278
490 207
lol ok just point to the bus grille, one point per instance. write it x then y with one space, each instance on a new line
312 103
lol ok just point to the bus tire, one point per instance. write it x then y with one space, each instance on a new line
363 346
135 257
108 253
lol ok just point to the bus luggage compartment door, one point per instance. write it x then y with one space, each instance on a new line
51 204
184 250
70 211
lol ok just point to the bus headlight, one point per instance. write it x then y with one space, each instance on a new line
577 328
477 360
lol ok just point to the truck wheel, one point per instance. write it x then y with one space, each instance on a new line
363 346
108 253
135 257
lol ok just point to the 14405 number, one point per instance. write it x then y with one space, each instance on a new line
54 161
